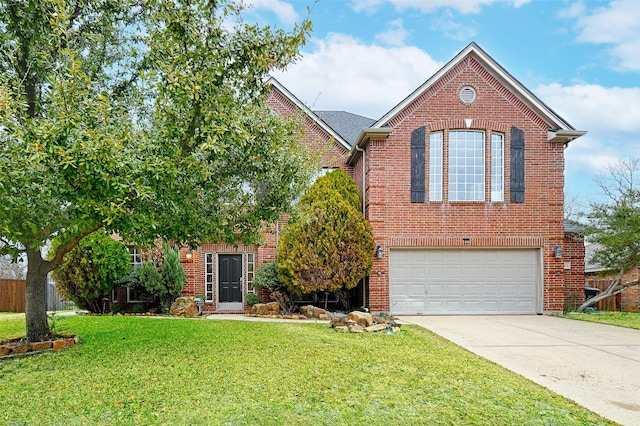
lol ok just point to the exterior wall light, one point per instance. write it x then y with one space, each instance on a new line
189 255
379 252
557 252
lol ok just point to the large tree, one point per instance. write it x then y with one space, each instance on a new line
142 117
614 225
328 244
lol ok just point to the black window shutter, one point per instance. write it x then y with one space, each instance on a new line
417 165
517 165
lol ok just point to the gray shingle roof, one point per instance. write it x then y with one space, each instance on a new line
346 124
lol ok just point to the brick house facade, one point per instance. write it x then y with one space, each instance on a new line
463 186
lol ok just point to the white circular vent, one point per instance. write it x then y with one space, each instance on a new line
467 95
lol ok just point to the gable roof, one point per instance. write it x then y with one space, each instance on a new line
348 125
313 116
559 129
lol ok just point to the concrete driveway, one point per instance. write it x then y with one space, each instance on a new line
595 365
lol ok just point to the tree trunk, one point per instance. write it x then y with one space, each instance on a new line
35 303
616 287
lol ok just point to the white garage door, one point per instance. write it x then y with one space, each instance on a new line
467 281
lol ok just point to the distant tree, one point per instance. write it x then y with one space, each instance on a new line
91 270
12 269
328 244
614 225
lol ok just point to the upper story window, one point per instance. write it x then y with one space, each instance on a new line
135 256
466 165
435 166
461 156
497 167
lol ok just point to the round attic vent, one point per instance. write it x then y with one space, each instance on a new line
467 95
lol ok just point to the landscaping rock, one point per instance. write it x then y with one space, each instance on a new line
310 311
341 322
5 350
363 319
184 307
58 344
376 327
356 328
271 309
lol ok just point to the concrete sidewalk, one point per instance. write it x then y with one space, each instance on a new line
595 365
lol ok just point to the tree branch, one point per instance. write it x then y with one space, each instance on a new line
69 245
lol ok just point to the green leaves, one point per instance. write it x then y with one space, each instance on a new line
147 119
329 245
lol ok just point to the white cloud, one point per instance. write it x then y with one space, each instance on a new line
366 6
452 29
463 7
609 114
395 35
282 9
343 73
617 25
575 10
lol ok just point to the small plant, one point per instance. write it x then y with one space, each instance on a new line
53 325
572 300
116 308
267 278
138 308
252 299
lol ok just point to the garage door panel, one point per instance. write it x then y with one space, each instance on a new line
464 281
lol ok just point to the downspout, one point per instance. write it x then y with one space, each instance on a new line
364 191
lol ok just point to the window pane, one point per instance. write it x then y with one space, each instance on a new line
466 165
497 167
208 276
250 272
435 166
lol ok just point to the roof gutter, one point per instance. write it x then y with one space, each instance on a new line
564 136
366 135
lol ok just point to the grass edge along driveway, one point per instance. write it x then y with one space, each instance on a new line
133 370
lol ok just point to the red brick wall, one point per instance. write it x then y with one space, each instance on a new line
538 222
330 154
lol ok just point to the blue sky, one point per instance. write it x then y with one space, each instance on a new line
580 58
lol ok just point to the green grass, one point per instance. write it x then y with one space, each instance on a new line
133 370
622 319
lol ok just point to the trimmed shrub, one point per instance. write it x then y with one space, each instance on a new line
91 270
328 245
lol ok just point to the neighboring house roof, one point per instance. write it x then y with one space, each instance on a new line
348 125
589 265
572 228
313 116
559 130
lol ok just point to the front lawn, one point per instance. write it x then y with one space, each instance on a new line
134 370
622 319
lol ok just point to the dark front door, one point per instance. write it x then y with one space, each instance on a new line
230 278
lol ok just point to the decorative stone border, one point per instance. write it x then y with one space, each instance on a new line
19 346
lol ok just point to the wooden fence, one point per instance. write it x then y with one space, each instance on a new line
12 295
612 303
